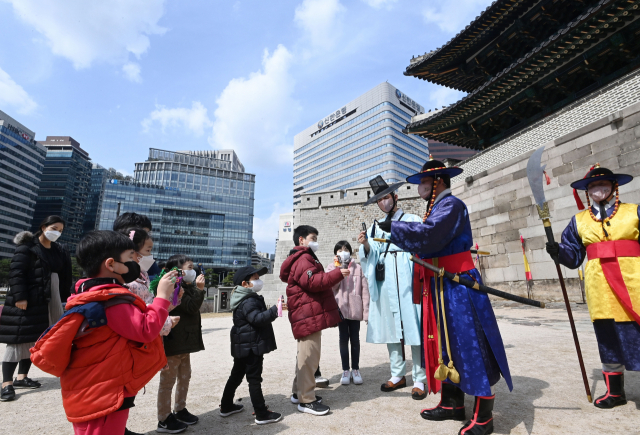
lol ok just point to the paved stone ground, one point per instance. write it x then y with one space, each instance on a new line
548 395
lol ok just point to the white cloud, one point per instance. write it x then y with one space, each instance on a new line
255 114
131 70
85 32
14 96
378 4
452 16
443 96
320 21
265 230
194 119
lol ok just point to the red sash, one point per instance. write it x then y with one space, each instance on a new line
455 263
608 253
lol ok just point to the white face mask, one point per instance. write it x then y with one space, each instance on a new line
344 256
52 236
313 246
189 275
257 285
386 205
146 262
599 193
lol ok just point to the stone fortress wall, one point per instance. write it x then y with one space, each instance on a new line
499 198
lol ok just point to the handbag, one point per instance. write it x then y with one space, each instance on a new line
380 269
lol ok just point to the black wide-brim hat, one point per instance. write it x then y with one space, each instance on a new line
434 168
381 189
598 174
245 272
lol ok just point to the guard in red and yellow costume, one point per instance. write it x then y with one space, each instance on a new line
607 234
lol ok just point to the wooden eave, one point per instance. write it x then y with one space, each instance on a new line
598 23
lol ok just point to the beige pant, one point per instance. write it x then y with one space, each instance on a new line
180 368
307 361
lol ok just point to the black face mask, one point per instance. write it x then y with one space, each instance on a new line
132 274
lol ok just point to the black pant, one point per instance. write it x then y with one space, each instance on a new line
250 366
350 330
9 368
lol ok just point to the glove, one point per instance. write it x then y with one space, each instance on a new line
553 249
385 226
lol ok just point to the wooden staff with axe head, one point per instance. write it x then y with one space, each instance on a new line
535 173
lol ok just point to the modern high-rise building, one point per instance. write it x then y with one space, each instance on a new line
358 141
64 188
21 163
197 205
100 176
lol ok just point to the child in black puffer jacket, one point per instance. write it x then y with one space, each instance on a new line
251 337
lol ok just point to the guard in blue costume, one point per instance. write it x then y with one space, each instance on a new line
471 354
393 318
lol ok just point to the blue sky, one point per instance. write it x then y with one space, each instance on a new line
121 76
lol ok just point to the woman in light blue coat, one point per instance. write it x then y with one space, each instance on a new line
393 317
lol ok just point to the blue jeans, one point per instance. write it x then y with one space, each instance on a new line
350 331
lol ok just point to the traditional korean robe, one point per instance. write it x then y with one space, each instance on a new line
612 279
477 350
385 309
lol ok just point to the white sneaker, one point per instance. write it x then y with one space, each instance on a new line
346 378
357 377
322 382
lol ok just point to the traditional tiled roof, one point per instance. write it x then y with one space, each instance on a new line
523 90
503 33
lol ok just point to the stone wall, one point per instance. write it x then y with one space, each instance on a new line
501 205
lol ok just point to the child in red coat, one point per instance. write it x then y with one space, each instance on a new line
312 308
107 346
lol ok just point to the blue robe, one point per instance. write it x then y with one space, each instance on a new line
385 311
476 344
618 342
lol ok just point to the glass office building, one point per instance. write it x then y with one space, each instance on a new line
358 141
64 188
21 163
197 206
100 176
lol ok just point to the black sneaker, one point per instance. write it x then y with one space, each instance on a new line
270 417
186 417
295 401
128 432
26 383
315 408
233 409
8 394
171 425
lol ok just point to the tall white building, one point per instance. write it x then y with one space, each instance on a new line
358 141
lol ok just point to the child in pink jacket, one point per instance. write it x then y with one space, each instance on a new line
352 296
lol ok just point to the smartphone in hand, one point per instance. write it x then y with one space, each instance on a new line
364 228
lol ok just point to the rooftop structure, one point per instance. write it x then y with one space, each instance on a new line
226 155
523 60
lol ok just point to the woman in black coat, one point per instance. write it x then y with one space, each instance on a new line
39 280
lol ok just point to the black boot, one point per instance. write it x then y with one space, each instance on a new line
451 406
615 391
482 421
